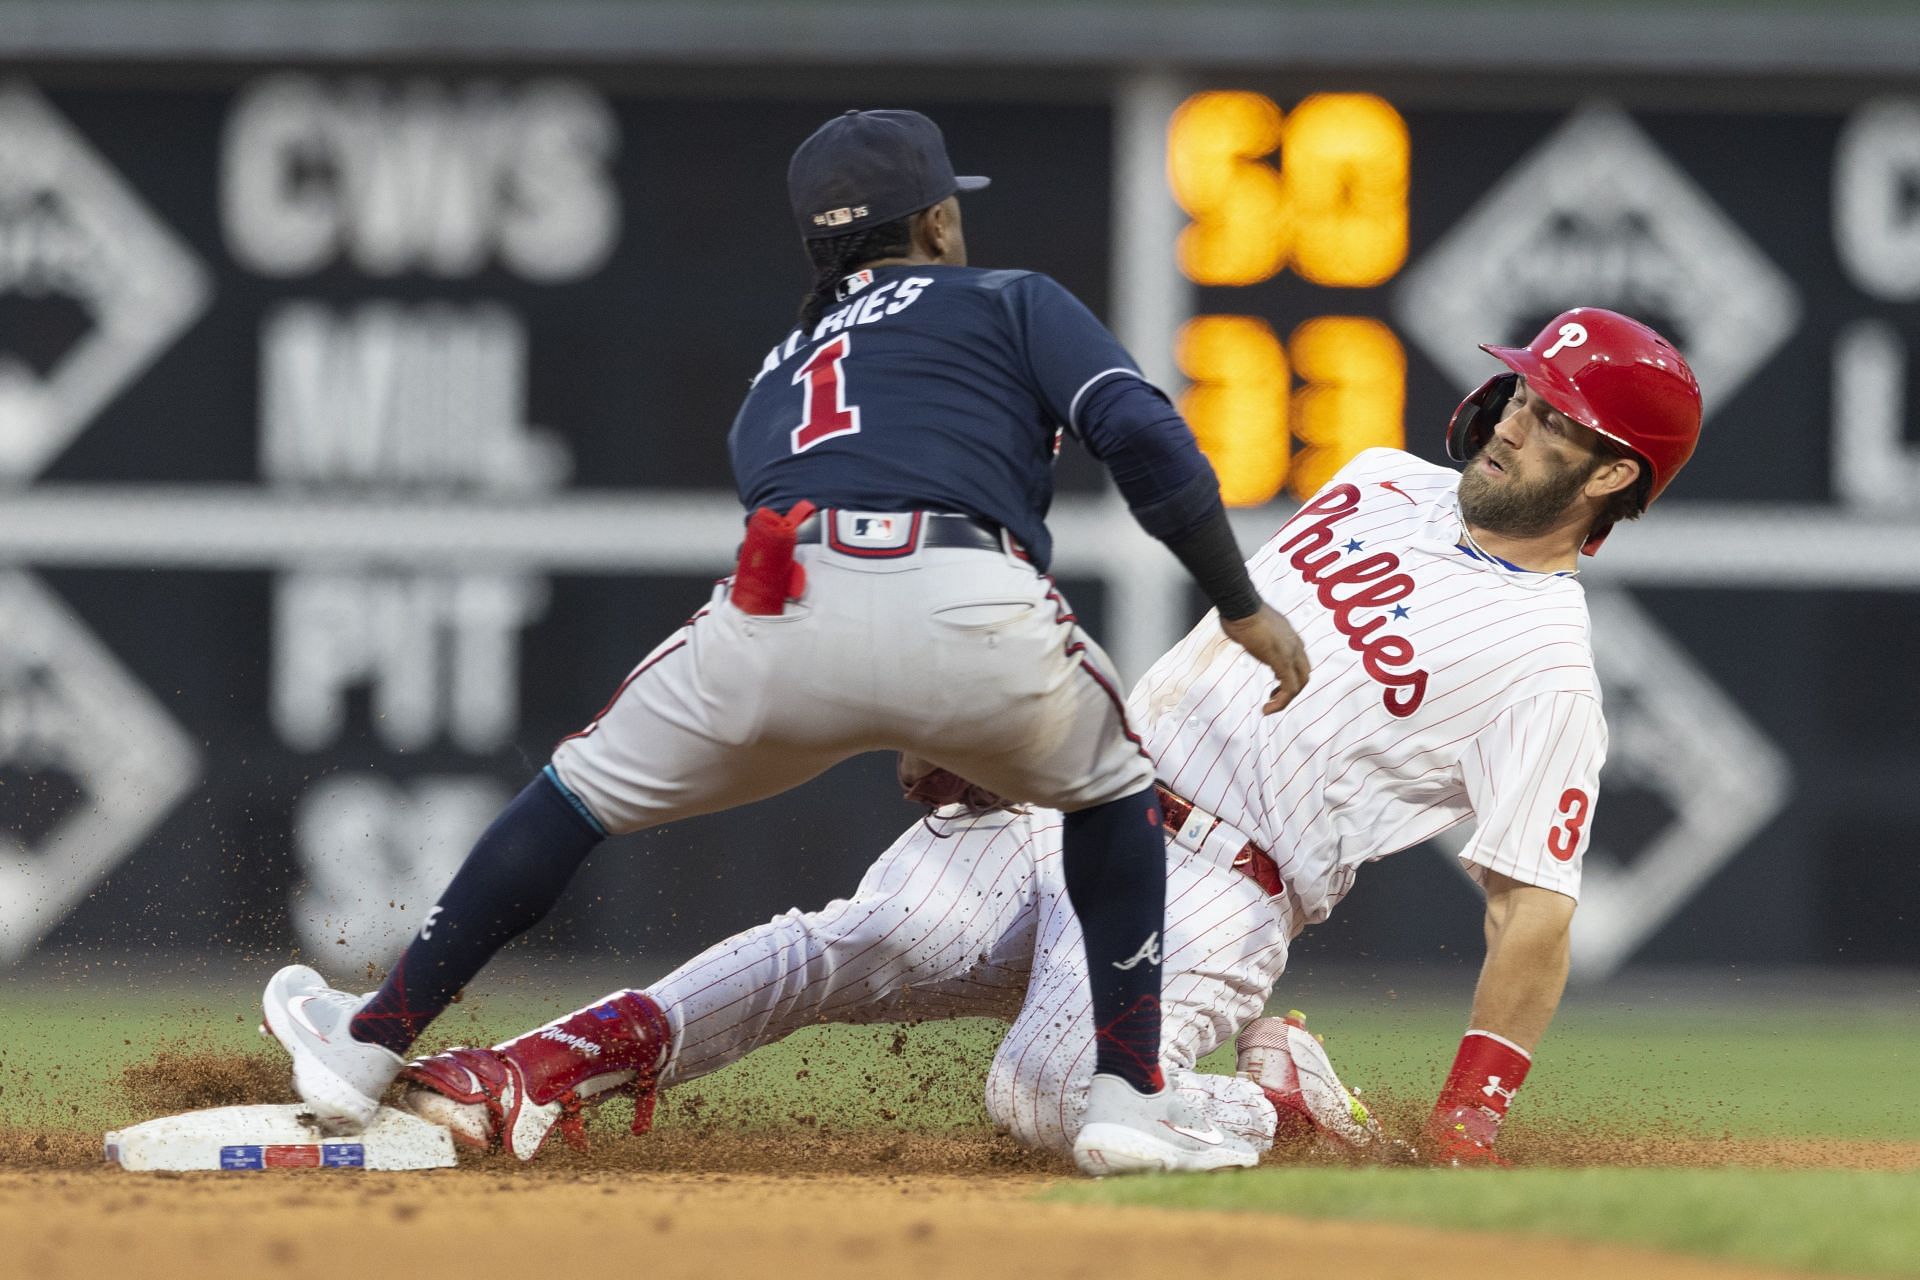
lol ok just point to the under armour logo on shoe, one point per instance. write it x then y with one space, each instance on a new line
1149 951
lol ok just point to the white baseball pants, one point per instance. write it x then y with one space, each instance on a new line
965 656
969 917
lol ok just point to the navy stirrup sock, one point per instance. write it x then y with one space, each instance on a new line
509 882
1115 858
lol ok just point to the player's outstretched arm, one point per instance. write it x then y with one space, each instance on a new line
1520 987
1172 491
1087 381
1525 971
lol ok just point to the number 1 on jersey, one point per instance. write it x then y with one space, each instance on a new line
825 411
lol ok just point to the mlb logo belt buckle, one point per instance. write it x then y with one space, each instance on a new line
875 533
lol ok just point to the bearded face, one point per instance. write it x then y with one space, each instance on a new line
1498 494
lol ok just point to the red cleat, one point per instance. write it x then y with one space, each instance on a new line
517 1093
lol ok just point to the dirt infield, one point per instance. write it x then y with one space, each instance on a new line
800 1197
728 1204
493 1222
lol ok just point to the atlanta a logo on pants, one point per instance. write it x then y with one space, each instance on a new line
1149 952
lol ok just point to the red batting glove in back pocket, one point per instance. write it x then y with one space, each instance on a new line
767 576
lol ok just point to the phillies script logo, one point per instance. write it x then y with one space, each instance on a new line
1345 588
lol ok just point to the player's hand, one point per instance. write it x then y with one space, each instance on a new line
1462 1137
1270 638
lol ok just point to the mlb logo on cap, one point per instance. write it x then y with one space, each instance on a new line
839 217
866 168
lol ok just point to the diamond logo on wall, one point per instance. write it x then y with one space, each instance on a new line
93 763
1683 754
1598 216
1689 780
93 287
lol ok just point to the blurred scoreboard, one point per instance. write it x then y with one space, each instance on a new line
361 425
602 266
1333 213
617 259
1349 250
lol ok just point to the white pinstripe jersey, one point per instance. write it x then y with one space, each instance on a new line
1445 688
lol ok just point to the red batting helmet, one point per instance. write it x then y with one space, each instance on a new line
1605 371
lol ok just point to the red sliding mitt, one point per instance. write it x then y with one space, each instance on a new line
1486 1073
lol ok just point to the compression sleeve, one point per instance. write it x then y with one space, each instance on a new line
1212 555
1169 485
1146 446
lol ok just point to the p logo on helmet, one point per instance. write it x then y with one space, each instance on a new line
1571 335
1605 371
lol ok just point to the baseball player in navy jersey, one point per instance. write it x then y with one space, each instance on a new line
1453 683
895 451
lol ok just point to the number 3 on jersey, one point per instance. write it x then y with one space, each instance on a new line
825 412
1563 841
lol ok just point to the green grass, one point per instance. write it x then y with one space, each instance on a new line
62 1057
1836 1072
1741 1070
1854 1223
1842 1072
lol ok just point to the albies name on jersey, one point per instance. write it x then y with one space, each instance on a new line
891 298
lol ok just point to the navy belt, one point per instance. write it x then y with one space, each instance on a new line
886 534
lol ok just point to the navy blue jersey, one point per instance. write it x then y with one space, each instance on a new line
930 387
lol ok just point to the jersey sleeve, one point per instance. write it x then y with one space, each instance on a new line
1068 351
1533 778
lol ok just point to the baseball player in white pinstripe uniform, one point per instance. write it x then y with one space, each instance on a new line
1453 683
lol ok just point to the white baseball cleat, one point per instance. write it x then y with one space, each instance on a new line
1291 1066
339 1077
1126 1131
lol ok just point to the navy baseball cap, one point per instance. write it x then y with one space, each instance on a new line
864 168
